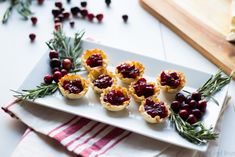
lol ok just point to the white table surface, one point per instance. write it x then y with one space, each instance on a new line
142 34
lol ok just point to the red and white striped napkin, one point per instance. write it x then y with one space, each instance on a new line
83 137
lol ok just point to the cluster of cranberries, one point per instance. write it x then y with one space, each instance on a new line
115 97
128 71
190 108
73 86
59 68
103 81
143 89
155 109
170 79
94 60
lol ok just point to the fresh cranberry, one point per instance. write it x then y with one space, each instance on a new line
83 3
99 17
66 15
67 64
197 113
55 69
185 106
40 2
48 79
84 12
71 23
53 54
61 17
108 2
34 20
143 89
57 20
57 76
193 104
180 97
202 105
191 119
90 16
103 81
188 99
196 96
55 62
56 12
74 86
184 114
75 11
128 71
59 4
95 60
57 26
64 72
115 97
170 79
175 106
155 109
32 37
125 18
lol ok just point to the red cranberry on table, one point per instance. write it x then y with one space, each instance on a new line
196 96
64 72
108 2
72 23
57 76
191 119
180 97
55 69
184 114
175 106
48 79
32 37
125 18
56 12
193 104
99 17
202 105
197 113
84 13
40 2
90 16
59 4
83 3
66 15
34 20
75 11
57 26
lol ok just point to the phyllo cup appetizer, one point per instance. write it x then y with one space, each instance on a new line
129 71
115 98
73 86
94 59
141 89
171 81
154 110
101 79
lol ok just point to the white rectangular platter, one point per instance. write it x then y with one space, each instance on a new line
129 119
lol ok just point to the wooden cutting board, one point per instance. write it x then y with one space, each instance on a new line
204 24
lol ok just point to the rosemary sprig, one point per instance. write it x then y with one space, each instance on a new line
39 92
198 133
67 47
22 7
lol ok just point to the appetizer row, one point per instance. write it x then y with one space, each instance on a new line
114 97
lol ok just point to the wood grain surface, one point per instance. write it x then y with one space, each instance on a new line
203 24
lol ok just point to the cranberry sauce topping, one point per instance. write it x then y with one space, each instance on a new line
155 109
143 89
128 71
103 81
171 79
95 60
73 86
115 97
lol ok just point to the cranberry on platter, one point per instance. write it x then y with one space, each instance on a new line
34 20
32 37
128 71
73 86
48 79
103 81
53 54
142 88
57 76
99 17
175 106
67 64
115 97
55 62
191 119
95 60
